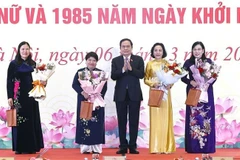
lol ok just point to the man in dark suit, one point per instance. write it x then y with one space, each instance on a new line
127 69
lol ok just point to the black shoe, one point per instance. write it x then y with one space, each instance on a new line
95 152
16 152
86 152
29 152
122 151
133 151
32 152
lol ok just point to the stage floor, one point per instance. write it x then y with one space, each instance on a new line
74 154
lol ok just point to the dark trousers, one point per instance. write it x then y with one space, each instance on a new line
123 109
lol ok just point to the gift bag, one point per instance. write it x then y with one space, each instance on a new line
11 117
155 97
86 110
193 97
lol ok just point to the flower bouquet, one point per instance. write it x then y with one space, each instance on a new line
204 73
92 83
169 74
42 73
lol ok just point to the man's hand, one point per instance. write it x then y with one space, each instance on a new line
129 67
125 67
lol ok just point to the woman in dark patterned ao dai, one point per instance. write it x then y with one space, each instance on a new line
90 134
27 135
200 120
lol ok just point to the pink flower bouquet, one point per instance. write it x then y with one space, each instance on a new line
204 73
92 83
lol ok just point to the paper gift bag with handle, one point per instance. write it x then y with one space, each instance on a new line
86 110
193 97
11 117
155 97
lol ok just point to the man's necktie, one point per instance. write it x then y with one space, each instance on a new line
126 61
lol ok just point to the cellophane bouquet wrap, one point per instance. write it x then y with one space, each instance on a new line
169 74
39 156
42 72
92 83
204 73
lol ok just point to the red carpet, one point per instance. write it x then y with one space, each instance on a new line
74 154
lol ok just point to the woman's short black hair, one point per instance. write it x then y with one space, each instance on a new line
91 54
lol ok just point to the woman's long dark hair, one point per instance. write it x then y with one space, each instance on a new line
29 59
192 58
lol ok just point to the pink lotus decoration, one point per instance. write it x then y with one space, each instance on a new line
177 145
44 127
179 127
227 133
111 123
61 119
70 132
112 141
53 138
4 131
143 142
143 120
224 106
3 115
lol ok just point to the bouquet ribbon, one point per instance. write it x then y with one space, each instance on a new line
37 85
38 90
97 100
94 91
